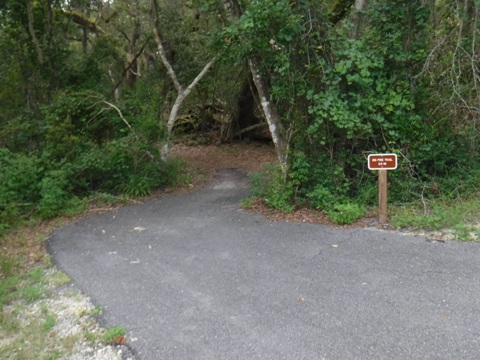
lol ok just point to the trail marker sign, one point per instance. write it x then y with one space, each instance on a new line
382 161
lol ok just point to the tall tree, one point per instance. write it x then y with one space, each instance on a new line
182 92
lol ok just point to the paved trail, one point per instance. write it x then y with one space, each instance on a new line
194 277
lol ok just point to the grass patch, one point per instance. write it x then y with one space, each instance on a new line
58 278
27 281
32 293
460 215
114 335
35 338
246 203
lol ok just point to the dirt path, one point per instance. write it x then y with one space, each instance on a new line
249 157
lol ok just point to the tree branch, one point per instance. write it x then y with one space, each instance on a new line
340 10
81 20
199 77
161 49
129 66
148 153
31 29
119 113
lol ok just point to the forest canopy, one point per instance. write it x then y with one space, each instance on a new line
93 92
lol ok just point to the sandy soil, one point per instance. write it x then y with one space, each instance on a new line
249 157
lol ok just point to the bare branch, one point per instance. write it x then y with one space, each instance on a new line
129 66
199 77
166 63
119 113
148 153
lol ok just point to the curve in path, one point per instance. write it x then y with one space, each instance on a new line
194 277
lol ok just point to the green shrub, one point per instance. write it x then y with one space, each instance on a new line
173 172
320 197
20 177
270 186
343 214
55 194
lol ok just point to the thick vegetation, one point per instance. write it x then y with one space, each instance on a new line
92 91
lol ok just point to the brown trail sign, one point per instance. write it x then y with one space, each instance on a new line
382 163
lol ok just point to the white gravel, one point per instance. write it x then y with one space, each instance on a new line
75 316
73 312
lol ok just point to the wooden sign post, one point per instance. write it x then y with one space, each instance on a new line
382 163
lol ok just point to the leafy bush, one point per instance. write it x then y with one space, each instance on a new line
320 197
81 148
20 186
343 214
270 186
54 194
317 181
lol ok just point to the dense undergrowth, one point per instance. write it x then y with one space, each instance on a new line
82 148
437 203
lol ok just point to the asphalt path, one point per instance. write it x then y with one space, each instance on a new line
194 276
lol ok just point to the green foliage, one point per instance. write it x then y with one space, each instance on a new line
7 287
19 181
347 213
137 186
32 293
54 194
246 203
318 182
320 197
83 145
360 98
435 214
270 186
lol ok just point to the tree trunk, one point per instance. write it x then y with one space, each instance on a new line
132 56
357 19
275 125
271 115
181 92
31 29
339 10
